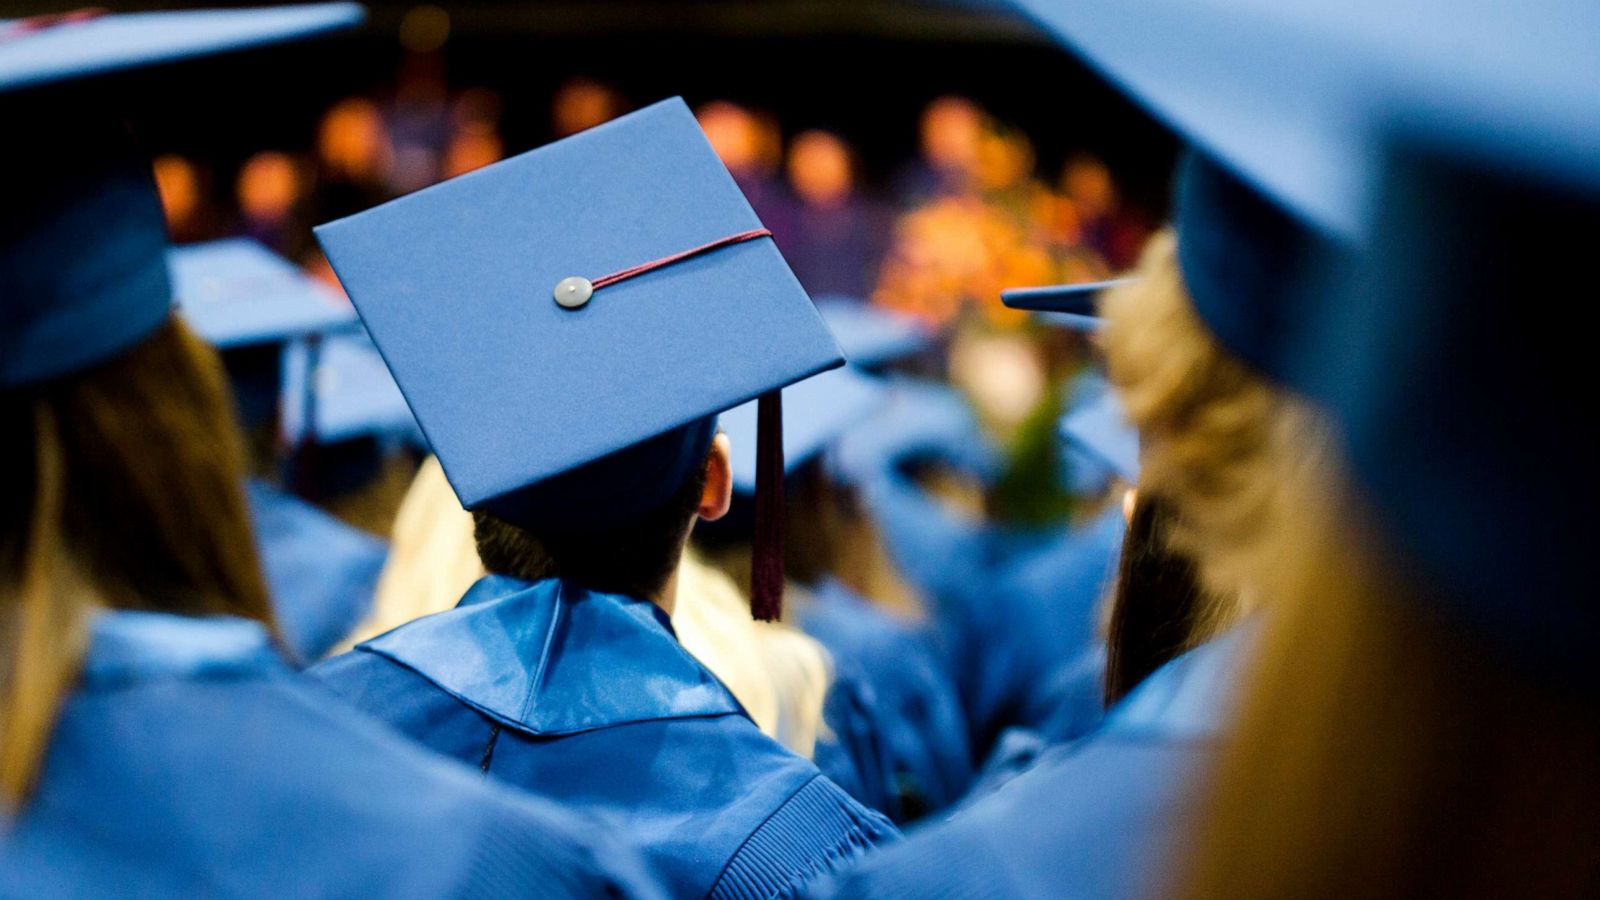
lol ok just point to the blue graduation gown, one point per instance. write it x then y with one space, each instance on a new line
1077 695
588 699
1015 639
190 761
1012 611
898 733
321 573
1096 818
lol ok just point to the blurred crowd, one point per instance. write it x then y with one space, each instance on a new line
973 213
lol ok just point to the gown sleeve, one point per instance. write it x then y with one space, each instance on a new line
816 831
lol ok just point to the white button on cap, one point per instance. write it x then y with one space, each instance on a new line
573 292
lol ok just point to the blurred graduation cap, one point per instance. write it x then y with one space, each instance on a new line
1072 306
922 421
816 413
1471 427
1272 184
338 389
566 324
1099 428
235 292
1466 134
83 271
871 336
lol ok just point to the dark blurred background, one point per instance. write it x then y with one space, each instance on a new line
840 117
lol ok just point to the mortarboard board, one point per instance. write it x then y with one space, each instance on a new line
235 292
567 323
925 421
350 395
816 412
1100 428
83 271
872 336
1072 306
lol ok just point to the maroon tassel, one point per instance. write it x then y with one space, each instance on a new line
766 558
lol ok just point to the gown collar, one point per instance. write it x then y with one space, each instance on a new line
127 647
553 658
1191 697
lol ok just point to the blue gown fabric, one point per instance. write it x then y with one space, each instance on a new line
191 761
1023 639
1012 610
1095 818
1077 695
899 741
321 573
588 699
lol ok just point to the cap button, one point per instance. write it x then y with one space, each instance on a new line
574 292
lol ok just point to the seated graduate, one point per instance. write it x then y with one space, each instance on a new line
895 736
777 673
1029 639
242 298
153 742
1421 720
1222 442
1144 620
576 417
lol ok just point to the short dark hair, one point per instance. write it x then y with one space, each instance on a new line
635 559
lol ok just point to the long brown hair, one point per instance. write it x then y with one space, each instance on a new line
123 491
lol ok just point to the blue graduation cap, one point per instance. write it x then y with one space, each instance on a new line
338 389
1072 306
236 292
872 336
1099 428
567 323
83 274
923 420
1485 119
1471 426
1274 179
816 412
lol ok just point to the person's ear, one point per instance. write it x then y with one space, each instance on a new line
717 496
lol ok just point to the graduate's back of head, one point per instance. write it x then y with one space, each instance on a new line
1218 440
123 491
635 557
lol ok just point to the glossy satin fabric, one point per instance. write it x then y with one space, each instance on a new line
899 740
588 699
1096 818
321 573
190 761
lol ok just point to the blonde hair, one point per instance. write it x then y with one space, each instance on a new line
1381 753
1217 440
123 490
